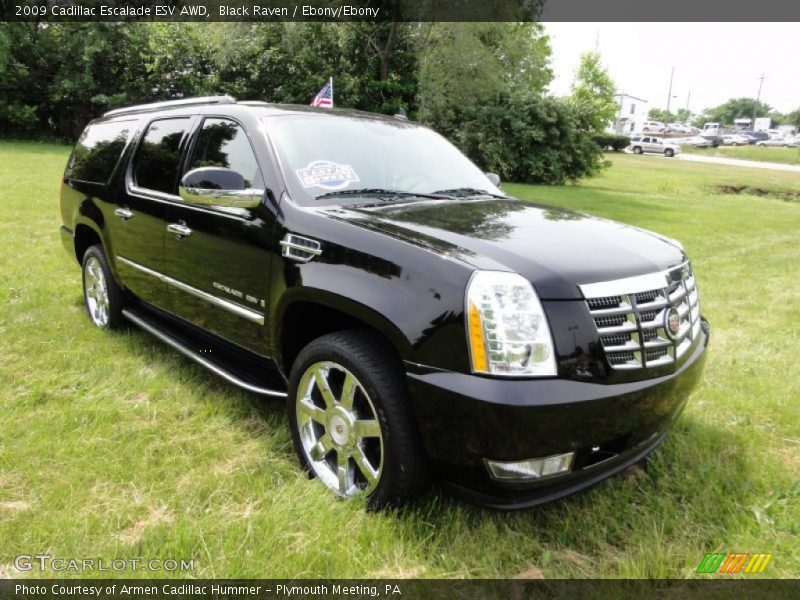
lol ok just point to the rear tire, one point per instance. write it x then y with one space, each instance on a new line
102 296
358 436
669 153
637 150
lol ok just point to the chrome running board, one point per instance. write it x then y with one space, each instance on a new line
141 320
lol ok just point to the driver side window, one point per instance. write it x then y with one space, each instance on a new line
223 143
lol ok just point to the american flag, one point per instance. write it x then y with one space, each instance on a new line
325 96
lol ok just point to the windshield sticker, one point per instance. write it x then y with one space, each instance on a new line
326 175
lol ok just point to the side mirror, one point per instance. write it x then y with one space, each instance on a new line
217 186
494 178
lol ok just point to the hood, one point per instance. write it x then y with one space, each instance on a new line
555 249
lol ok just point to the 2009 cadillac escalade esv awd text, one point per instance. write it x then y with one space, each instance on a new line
418 321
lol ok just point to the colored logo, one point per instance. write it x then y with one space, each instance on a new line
672 322
734 562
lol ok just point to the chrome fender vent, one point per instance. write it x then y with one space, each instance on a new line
301 249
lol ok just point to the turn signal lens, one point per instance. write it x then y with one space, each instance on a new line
476 341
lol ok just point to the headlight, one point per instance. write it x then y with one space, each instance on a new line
507 328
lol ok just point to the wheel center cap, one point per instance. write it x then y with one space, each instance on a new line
339 429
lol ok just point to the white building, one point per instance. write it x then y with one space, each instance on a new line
631 114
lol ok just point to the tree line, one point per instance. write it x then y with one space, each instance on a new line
481 84
726 113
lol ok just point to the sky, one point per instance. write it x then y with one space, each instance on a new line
713 61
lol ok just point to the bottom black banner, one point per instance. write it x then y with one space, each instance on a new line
320 589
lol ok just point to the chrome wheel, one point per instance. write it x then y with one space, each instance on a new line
96 289
339 430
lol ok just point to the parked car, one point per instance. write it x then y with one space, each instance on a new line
734 139
654 145
755 136
698 141
415 319
786 142
653 127
714 140
678 128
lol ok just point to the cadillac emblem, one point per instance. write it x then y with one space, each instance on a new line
672 322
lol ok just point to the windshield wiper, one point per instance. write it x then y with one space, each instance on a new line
467 191
378 192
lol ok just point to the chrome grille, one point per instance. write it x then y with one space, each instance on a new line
631 317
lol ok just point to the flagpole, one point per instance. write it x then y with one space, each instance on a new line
330 81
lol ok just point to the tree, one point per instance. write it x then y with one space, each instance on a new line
736 108
536 140
475 63
792 118
373 65
682 115
593 91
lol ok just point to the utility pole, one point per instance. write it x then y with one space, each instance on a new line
755 104
669 95
688 97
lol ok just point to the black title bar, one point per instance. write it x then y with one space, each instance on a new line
400 10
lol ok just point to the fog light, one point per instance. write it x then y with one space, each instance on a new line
534 468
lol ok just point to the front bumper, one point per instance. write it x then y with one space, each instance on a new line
464 419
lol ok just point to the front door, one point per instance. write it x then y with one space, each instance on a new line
139 220
219 258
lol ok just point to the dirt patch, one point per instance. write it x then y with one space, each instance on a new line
531 572
14 506
134 533
790 195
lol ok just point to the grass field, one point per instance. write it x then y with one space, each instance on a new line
789 156
112 445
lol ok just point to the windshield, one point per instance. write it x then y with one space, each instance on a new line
327 159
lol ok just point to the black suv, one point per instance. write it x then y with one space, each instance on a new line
418 320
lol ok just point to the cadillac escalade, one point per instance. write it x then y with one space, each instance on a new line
419 322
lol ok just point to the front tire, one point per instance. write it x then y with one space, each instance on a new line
102 296
637 150
351 419
669 153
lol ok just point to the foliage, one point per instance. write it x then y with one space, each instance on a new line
471 64
682 115
792 118
612 141
593 91
736 108
374 66
543 140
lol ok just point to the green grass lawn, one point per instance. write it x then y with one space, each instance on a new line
112 445
789 156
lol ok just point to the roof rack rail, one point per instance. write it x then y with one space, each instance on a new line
170 103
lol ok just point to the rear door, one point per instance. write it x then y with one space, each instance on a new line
219 258
138 225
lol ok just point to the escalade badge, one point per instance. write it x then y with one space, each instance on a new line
672 322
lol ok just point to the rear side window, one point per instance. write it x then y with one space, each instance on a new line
98 150
159 155
223 143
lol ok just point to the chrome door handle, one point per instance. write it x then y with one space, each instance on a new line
123 213
179 229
